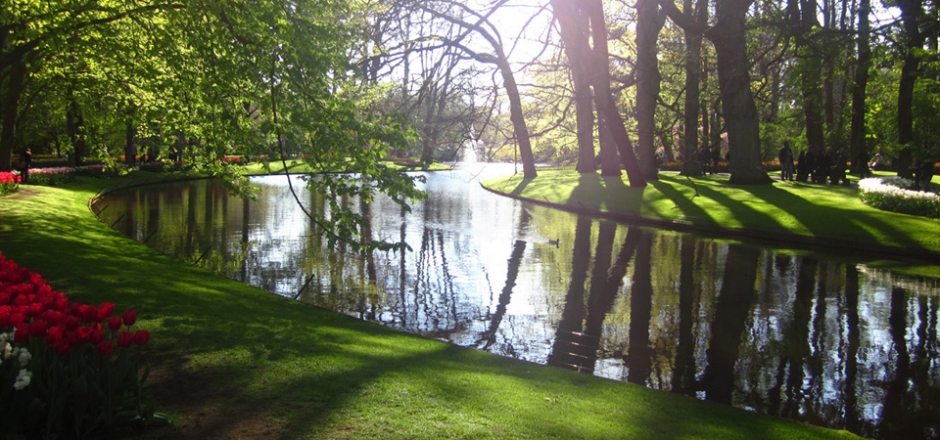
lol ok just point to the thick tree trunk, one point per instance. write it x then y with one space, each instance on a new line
810 75
860 153
75 127
603 96
648 24
8 113
584 108
692 165
740 112
911 12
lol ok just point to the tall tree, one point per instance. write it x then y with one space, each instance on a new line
734 83
598 63
858 147
649 21
912 18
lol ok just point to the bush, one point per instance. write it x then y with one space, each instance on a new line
102 171
66 369
163 167
893 194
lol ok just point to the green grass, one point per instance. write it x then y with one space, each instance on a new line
232 361
799 213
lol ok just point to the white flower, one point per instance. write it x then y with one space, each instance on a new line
6 350
22 379
24 356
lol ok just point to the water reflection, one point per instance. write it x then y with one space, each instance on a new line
812 337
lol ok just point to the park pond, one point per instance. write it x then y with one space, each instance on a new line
826 339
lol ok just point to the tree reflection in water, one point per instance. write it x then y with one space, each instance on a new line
818 338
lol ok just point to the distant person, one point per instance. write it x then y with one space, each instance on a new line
926 174
878 163
786 161
25 162
837 171
802 167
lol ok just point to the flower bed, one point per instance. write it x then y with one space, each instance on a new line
66 369
55 176
9 182
893 194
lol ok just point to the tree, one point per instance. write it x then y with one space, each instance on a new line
857 145
734 82
597 61
649 21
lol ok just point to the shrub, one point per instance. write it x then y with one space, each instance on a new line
102 171
893 194
66 369
9 182
163 167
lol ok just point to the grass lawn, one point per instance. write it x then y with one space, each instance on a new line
231 361
790 213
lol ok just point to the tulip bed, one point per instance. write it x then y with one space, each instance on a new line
8 182
67 369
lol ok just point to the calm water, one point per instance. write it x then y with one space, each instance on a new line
819 338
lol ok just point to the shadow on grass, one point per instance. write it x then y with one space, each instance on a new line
596 193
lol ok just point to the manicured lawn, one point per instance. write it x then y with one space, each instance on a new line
816 215
232 361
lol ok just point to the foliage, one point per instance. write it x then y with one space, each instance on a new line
67 369
895 194
9 182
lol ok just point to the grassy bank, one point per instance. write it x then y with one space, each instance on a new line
800 214
231 361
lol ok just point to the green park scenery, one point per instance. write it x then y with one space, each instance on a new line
229 360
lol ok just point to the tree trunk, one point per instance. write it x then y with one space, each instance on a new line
648 24
691 165
584 109
8 113
518 120
740 112
75 126
857 143
603 96
802 21
911 12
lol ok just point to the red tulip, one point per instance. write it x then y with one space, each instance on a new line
96 336
37 328
105 311
62 347
125 339
141 337
129 317
22 333
114 324
54 335
104 348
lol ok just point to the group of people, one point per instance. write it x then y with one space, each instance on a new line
813 167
